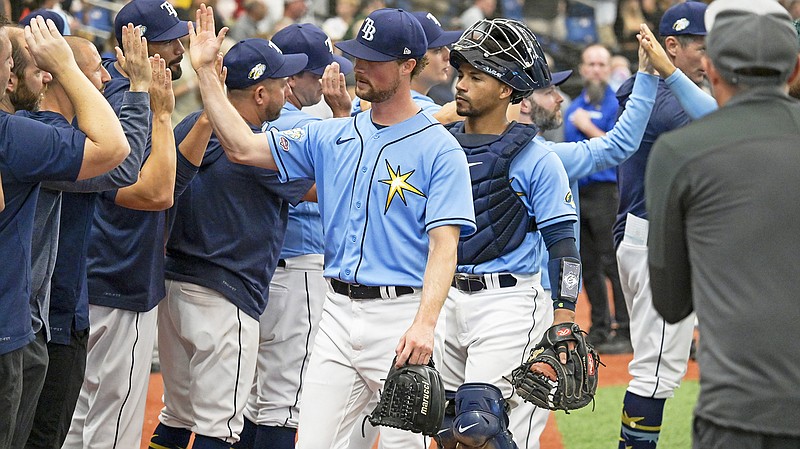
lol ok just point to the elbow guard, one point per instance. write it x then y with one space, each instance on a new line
565 281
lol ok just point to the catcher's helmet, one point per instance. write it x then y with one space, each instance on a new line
507 50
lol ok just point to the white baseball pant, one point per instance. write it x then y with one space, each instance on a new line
660 350
110 409
352 355
288 328
208 359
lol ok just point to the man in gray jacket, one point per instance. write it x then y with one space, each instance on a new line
723 232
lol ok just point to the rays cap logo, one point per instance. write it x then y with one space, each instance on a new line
684 19
252 61
387 34
157 20
310 40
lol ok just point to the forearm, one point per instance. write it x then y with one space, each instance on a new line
95 117
134 118
193 147
154 190
238 141
439 273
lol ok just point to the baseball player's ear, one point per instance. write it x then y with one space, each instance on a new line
408 66
505 90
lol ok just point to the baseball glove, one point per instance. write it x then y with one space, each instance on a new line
412 399
567 387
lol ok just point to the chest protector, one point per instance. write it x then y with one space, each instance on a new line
501 216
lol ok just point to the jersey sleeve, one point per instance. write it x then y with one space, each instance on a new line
36 152
592 155
294 152
548 192
450 193
696 102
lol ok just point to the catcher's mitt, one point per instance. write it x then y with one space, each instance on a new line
412 399
576 382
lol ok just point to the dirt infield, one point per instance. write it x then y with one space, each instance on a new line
614 373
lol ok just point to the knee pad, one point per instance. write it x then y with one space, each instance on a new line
481 418
445 439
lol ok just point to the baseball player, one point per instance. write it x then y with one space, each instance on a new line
580 159
290 322
62 154
436 71
62 381
213 269
125 261
660 350
393 190
494 307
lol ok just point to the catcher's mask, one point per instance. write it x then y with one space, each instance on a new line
507 50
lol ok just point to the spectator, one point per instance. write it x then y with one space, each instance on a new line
248 24
480 9
336 27
293 11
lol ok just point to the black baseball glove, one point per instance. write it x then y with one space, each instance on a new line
575 383
412 399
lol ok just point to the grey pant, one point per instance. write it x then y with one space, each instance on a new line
707 435
10 394
34 369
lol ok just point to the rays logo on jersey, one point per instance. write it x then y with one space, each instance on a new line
398 185
568 198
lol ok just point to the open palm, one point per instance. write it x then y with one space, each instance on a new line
204 43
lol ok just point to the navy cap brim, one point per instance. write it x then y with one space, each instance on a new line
558 78
176 31
358 50
345 66
292 65
446 38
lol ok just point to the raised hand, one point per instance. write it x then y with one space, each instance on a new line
162 100
134 61
48 48
655 58
334 90
204 44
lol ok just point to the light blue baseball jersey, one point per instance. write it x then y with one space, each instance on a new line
304 228
425 102
589 156
538 177
380 191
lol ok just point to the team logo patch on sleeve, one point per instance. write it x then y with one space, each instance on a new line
284 143
294 134
568 198
398 185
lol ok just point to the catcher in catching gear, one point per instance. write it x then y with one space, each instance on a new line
561 372
412 399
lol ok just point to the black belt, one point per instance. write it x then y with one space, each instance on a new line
282 263
358 291
477 282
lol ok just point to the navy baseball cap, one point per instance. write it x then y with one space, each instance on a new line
308 39
46 14
254 60
387 34
684 19
157 20
436 35
558 78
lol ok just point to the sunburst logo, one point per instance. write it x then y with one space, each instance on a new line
398 185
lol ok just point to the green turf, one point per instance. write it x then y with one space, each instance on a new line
585 429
